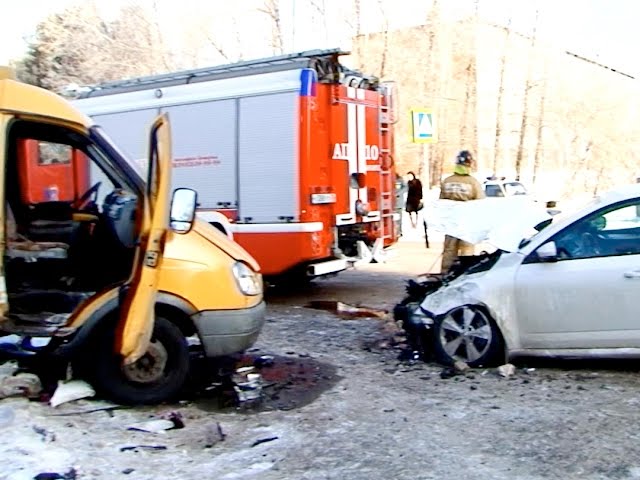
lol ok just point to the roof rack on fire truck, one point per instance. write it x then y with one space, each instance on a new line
257 66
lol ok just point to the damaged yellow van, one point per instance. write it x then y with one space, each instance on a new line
104 269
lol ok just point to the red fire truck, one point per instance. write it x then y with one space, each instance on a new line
291 155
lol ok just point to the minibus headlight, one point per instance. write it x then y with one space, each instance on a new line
249 282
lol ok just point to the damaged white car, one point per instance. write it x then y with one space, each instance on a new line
569 290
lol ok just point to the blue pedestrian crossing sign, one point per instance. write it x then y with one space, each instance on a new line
423 126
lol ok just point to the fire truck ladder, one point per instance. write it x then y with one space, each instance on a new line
319 59
387 183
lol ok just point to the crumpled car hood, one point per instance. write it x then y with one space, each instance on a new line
500 222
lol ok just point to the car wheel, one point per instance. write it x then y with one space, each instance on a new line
157 376
467 334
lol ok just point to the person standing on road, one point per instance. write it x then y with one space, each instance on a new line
414 198
461 187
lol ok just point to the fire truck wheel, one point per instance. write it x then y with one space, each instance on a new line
156 377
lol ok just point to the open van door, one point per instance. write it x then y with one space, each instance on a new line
139 294
4 299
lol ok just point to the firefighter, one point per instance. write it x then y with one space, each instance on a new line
460 186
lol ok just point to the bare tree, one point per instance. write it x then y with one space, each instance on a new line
237 39
76 46
319 8
137 43
385 39
469 127
497 149
353 23
537 159
218 48
271 8
430 161
357 14
525 108
68 47
161 51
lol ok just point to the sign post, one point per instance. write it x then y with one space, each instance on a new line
423 130
423 126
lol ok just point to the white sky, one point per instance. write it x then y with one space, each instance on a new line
603 30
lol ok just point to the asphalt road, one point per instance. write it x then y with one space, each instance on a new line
338 404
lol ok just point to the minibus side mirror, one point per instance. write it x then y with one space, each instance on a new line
183 210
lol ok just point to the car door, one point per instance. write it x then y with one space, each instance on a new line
137 311
589 297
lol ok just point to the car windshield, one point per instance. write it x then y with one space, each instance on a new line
557 218
538 228
493 191
514 188
100 137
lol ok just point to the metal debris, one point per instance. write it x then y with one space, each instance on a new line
137 448
70 475
264 440
347 311
73 413
247 384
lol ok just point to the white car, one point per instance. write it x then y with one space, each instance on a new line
572 289
499 187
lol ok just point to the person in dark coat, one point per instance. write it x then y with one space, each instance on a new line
414 198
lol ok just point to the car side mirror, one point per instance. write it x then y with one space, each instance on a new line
548 252
183 210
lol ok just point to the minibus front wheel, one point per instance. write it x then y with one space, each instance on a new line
159 375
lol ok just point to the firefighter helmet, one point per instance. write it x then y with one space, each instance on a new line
464 158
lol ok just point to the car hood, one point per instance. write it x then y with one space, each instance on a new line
223 242
500 222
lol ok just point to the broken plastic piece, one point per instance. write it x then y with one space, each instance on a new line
506 370
70 391
264 361
153 426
